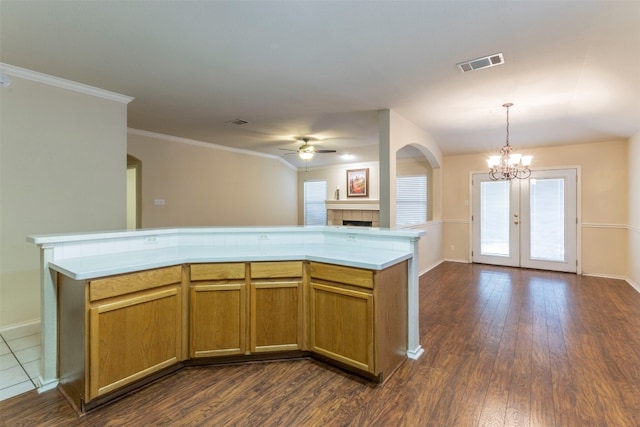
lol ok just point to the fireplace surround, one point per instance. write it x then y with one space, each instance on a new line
363 213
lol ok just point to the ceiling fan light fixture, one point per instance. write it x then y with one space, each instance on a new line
306 151
306 155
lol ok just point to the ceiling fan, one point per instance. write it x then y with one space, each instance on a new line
306 151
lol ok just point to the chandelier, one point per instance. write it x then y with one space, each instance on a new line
509 165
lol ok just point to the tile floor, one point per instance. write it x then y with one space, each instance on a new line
19 360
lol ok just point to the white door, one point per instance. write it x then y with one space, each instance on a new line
529 223
495 229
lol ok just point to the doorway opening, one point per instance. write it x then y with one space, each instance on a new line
134 193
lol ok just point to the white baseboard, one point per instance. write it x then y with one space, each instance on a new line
415 353
431 267
437 263
613 276
463 261
47 385
633 284
19 325
605 276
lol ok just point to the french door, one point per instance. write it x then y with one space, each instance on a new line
526 223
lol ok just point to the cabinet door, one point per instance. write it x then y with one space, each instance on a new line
276 316
218 313
133 337
342 325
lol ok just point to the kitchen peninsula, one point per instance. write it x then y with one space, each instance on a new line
199 294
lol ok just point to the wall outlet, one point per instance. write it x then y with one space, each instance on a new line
159 202
263 236
151 240
351 237
453 248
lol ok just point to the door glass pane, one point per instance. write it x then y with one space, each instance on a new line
494 218
547 219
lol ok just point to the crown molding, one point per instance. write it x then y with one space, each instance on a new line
209 145
47 79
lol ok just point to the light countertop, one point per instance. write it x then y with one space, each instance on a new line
91 267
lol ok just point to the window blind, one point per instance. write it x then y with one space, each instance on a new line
411 200
315 212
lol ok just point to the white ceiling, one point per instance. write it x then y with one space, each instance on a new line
323 68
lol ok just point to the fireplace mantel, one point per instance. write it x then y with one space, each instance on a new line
353 204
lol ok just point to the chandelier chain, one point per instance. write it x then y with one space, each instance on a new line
508 123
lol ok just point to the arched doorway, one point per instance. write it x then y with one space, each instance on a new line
414 187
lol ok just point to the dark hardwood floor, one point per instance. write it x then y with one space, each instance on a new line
503 347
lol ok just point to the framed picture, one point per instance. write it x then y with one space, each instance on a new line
358 183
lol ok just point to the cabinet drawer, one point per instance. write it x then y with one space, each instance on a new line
268 270
219 271
341 274
128 283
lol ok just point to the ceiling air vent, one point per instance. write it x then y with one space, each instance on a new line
238 122
479 63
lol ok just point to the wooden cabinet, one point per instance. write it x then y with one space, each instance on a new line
341 310
224 317
276 306
117 330
133 337
135 327
359 317
218 310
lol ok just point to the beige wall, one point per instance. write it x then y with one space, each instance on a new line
634 211
63 166
395 133
336 177
430 246
603 201
206 186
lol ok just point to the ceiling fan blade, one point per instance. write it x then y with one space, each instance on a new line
325 151
288 149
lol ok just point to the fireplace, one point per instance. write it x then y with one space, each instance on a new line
357 223
358 213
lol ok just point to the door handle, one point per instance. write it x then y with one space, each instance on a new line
516 222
